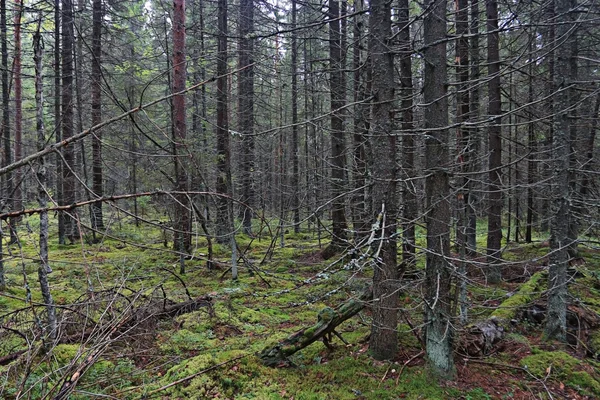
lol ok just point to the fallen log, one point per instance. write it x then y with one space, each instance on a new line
328 319
480 338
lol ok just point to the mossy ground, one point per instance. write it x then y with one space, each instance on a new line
219 348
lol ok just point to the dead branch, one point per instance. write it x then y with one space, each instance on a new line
328 320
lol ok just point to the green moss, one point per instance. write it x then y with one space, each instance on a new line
527 292
562 367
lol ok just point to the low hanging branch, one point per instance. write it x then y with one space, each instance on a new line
73 206
328 319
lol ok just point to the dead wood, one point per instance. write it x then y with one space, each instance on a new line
328 319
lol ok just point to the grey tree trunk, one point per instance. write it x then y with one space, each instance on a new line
361 217
68 172
409 193
44 267
246 110
18 145
96 95
494 234
384 334
295 178
337 91
6 136
556 323
58 119
475 139
438 328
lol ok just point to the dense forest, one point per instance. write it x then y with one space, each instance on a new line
299 199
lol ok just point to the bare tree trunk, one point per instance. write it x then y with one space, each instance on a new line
464 145
474 136
438 328
494 236
565 76
337 91
18 196
295 179
409 193
96 95
68 155
246 110
182 237
532 173
225 233
58 119
7 159
384 333
41 170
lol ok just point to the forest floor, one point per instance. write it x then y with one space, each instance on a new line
117 340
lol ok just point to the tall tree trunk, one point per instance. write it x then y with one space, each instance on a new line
438 327
246 110
464 143
494 235
409 193
41 170
384 334
565 76
182 238
96 80
474 136
295 179
224 221
68 155
361 218
18 196
337 92
532 173
7 159
58 119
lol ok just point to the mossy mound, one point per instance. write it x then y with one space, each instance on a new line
564 368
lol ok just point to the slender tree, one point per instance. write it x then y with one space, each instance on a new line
438 327
68 154
224 221
337 100
409 193
561 213
384 333
182 237
18 146
41 171
96 95
246 109
295 178
494 236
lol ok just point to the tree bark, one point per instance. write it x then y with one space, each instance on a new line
96 95
494 235
246 110
384 333
337 93
182 238
41 170
295 179
409 192
68 155
438 328
18 147
556 319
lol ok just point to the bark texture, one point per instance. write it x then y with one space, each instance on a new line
384 334
438 329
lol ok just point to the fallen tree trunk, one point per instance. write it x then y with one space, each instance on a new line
328 319
479 338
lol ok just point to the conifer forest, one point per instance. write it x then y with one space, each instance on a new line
300 199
